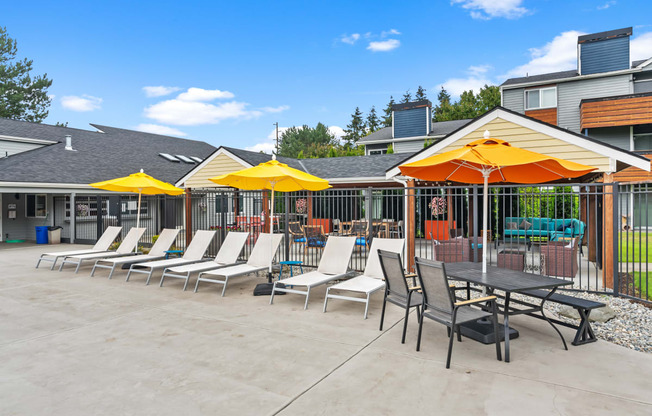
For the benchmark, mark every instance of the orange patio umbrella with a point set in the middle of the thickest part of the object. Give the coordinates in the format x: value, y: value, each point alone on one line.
x: 493, y: 160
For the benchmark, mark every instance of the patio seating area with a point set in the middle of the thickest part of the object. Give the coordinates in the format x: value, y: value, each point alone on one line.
x: 195, y: 353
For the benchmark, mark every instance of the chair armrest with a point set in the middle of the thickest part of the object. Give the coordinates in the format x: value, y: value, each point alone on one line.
x: 410, y: 275
x: 413, y: 288
x: 473, y: 301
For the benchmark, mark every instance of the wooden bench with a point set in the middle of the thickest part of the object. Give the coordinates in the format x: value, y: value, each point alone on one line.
x: 584, y: 334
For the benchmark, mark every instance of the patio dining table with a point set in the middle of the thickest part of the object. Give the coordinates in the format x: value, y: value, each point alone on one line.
x: 509, y: 281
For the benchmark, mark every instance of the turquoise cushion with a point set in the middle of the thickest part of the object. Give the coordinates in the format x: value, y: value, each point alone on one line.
x: 360, y: 241
x: 300, y: 240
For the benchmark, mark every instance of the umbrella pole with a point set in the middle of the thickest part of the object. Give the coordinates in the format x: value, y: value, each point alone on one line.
x: 485, y: 214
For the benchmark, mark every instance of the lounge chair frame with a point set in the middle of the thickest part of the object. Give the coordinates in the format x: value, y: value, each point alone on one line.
x: 103, y: 243
x: 126, y: 248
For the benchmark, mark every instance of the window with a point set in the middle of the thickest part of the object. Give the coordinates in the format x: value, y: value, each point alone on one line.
x: 36, y: 206
x: 86, y: 206
x: 130, y: 205
x: 378, y: 152
x: 541, y: 98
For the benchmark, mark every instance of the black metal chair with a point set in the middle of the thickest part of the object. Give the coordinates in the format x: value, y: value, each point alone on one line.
x: 396, y: 288
x: 439, y: 304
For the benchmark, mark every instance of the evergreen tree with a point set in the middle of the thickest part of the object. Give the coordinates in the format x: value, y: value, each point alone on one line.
x: 373, y: 122
x: 469, y: 105
x: 306, y: 141
x: 387, y: 118
x: 22, y: 97
x: 420, y: 94
x: 355, y: 129
x: 407, y: 97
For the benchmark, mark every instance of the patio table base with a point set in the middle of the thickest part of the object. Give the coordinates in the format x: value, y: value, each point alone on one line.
x: 483, y: 331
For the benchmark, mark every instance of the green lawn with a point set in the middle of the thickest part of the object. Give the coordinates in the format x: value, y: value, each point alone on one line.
x: 643, y: 283
x: 635, y: 246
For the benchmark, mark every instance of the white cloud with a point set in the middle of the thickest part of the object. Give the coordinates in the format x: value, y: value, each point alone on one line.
x: 641, y: 47
x: 266, y: 147
x: 560, y: 54
x: 350, y: 39
x: 189, y: 113
x: 488, y: 9
x: 479, y: 69
x: 389, y: 32
x: 193, y: 107
x: 83, y: 103
x: 607, y: 5
x: 200, y: 94
x: 384, y: 46
x: 159, y: 129
x: 159, y: 91
x: 278, y: 109
x: 456, y: 86
x: 337, y: 131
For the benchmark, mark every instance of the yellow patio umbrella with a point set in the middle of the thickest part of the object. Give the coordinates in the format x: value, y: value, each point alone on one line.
x: 140, y: 183
x: 275, y: 176
x: 493, y: 160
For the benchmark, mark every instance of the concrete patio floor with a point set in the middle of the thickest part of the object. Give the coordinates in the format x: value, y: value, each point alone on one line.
x: 75, y: 345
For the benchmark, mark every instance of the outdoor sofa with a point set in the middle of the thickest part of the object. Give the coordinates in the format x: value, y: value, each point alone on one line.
x: 542, y: 228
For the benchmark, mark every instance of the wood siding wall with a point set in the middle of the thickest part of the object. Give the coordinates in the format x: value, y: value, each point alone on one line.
x: 547, y: 115
x: 632, y: 174
x: 538, y: 142
x: 220, y: 165
x: 618, y: 112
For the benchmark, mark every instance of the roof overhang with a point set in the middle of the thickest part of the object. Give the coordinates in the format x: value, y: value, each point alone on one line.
x: 575, y: 78
x: 45, y: 187
x: 27, y: 140
x: 613, y: 153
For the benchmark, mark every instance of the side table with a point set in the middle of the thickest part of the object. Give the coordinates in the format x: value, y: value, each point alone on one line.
x: 290, y: 264
x: 512, y: 259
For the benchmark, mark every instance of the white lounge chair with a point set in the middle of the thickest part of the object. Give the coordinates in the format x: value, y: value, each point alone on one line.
x: 102, y: 244
x: 194, y: 253
x: 126, y: 248
x: 162, y: 244
x: 333, y: 265
x: 372, y: 279
x: 227, y: 256
x: 260, y: 258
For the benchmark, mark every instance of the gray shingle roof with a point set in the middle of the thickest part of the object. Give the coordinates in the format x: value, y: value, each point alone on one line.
x: 637, y: 63
x: 542, y: 77
x: 332, y: 167
x: 384, y: 134
x: 354, y: 166
x: 440, y: 128
x: 97, y: 156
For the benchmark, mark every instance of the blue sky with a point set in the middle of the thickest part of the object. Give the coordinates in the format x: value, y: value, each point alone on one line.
x: 224, y: 72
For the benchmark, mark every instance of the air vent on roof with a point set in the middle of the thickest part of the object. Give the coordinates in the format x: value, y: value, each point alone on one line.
x: 169, y: 157
x: 184, y: 158
x: 197, y: 159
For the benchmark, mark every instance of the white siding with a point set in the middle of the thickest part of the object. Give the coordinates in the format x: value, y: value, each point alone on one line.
x: 513, y: 100
x: 12, y: 147
x: 409, y: 146
x: 569, y: 95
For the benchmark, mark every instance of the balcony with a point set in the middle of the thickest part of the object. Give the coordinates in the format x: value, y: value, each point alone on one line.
x: 622, y: 110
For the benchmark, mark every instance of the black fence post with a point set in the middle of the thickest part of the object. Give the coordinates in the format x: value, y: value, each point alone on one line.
x: 369, y: 215
x: 99, y: 216
x: 223, y: 214
x: 616, y: 229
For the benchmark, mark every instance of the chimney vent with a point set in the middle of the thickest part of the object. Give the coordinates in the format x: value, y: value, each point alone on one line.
x: 411, y: 119
x: 603, y: 52
x: 69, y: 143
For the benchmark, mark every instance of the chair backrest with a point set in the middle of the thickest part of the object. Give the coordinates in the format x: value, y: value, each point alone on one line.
x: 336, y: 256
x: 107, y: 238
x: 456, y: 232
x: 295, y: 228
x: 231, y: 247
x: 359, y: 227
x: 199, y: 244
x: 264, y: 251
x: 373, y: 268
x: 163, y: 242
x: 313, y: 230
x: 130, y: 241
x: 434, y: 284
x: 392, y: 267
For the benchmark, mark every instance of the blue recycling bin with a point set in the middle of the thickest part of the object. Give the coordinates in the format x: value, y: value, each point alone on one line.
x: 42, y: 235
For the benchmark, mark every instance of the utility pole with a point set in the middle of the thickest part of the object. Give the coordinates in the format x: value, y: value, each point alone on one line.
x: 276, y: 124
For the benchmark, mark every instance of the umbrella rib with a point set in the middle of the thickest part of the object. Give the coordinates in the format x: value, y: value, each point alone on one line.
x: 548, y: 169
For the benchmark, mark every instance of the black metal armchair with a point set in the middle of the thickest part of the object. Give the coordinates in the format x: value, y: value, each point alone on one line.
x: 439, y: 304
x: 396, y: 288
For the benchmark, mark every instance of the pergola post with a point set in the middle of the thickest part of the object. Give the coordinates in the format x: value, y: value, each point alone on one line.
x: 608, y: 222
x: 266, y: 209
x: 410, y: 223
